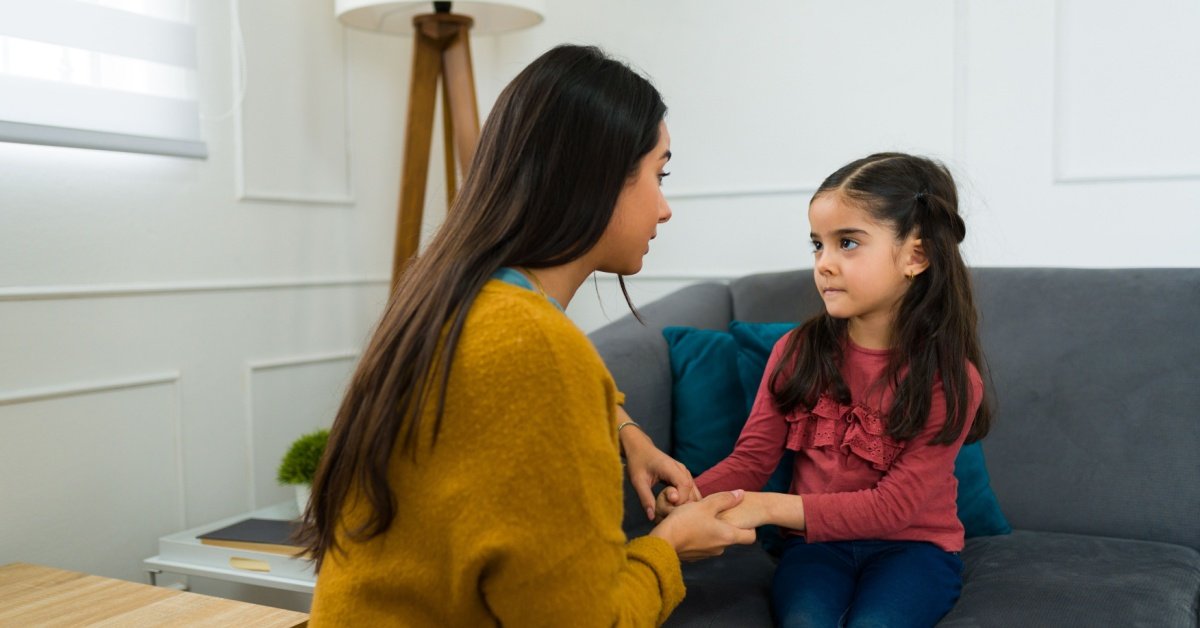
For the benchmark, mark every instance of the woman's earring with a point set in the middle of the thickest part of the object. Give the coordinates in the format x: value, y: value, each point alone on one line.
x: 910, y: 275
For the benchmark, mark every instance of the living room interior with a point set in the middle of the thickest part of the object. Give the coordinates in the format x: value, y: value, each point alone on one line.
x: 172, y: 324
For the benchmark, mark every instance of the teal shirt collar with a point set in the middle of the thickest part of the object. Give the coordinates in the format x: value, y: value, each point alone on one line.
x: 508, y: 274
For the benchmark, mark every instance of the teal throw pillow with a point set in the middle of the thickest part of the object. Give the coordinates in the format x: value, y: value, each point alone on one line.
x: 978, y: 508
x: 707, y: 396
x: 755, y: 342
x: 716, y: 376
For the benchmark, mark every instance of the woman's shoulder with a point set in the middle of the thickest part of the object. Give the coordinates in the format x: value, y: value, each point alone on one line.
x: 507, y: 317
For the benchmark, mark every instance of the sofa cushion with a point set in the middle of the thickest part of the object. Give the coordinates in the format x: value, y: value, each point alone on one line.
x: 1056, y: 579
x: 1023, y: 579
x: 1095, y: 374
x: 715, y: 378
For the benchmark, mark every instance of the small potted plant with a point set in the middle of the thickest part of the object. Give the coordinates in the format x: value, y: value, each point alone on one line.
x: 299, y: 464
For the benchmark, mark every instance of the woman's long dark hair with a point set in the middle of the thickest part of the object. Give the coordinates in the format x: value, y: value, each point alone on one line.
x: 934, y: 333
x: 557, y: 149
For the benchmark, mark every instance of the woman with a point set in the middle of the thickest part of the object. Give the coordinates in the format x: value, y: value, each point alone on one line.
x: 472, y: 475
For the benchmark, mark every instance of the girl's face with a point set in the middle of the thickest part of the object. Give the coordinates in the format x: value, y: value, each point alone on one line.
x: 640, y: 208
x: 860, y: 267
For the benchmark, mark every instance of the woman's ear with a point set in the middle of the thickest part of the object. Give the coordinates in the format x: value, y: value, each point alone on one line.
x: 916, y: 262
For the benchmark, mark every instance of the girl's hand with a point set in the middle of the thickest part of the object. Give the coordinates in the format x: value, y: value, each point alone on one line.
x: 665, y: 504
x: 648, y: 465
x: 758, y: 509
x: 696, y: 530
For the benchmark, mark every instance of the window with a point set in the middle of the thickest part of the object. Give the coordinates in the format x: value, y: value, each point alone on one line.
x: 106, y: 74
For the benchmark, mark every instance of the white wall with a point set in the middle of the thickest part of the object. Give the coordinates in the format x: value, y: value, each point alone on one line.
x: 167, y: 325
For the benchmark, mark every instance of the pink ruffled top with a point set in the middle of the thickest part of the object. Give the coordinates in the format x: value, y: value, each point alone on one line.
x: 854, y: 428
x: 856, y: 482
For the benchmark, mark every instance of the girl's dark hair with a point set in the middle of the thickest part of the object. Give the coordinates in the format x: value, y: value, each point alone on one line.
x: 934, y: 333
x: 554, y: 155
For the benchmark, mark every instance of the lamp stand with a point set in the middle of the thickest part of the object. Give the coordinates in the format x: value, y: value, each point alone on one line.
x: 443, y: 49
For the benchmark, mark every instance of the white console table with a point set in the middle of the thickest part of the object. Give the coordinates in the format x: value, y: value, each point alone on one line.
x: 183, y: 553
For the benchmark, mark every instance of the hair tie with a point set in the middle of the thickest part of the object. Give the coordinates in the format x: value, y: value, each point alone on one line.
x: 918, y: 196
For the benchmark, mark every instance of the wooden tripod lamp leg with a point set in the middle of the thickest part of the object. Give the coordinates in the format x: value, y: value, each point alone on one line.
x: 459, y: 78
x: 418, y: 134
x: 448, y: 146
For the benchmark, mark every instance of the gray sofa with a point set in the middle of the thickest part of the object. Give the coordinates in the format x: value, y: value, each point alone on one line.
x: 1094, y: 454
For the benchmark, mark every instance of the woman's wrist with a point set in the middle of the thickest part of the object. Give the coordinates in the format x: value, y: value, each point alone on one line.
x: 665, y: 531
x: 631, y: 436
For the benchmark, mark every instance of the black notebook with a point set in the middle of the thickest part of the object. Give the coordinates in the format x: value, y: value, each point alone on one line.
x: 262, y: 535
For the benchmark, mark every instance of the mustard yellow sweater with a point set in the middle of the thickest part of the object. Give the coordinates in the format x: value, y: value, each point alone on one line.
x: 514, y: 517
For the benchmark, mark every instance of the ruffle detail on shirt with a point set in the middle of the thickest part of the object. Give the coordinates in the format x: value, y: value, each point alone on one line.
x: 854, y: 428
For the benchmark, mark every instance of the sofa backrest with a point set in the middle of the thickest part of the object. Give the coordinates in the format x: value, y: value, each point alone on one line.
x: 1096, y: 377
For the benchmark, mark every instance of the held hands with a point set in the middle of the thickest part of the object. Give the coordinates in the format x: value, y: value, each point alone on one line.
x: 670, y: 498
x: 696, y: 529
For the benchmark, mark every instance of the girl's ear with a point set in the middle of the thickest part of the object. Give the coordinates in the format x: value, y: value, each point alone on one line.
x: 917, y: 262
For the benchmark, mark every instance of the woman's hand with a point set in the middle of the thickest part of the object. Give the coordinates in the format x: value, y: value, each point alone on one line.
x: 647, y: 465
x: 696, y: 530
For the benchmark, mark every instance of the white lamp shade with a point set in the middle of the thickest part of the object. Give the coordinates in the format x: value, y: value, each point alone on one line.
x: 395, y: 16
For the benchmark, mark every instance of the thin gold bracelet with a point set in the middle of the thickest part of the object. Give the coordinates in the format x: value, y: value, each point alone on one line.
x: 627, y: 423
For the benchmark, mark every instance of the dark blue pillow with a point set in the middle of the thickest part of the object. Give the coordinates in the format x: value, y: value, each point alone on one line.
x: 710, y: 369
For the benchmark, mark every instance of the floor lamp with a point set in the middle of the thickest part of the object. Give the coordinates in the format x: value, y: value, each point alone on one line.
x: 441, y: 50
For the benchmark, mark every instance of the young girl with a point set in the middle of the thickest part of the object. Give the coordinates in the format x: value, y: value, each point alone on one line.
x: 472, y: 476
x: 876, y: 394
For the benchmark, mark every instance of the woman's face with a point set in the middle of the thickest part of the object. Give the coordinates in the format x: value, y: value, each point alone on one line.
x: 640, y: 208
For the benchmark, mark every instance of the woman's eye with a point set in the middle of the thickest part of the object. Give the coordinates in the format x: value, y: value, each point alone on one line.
x: 849, y: 245
x: 662, y: 175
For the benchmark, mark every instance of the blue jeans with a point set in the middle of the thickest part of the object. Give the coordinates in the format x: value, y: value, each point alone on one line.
x: 864, y: 583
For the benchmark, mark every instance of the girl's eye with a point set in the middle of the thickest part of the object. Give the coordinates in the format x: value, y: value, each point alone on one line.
x: 662, y: 175
x: 849, y: 245
x: 816, y: 246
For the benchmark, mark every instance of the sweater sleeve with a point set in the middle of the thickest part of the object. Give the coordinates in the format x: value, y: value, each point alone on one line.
x: 760, y: 445
x: 558, y: 555
x: 908, y: 484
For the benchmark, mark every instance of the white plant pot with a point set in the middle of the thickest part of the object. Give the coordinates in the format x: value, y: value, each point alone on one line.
x: 302, y: 494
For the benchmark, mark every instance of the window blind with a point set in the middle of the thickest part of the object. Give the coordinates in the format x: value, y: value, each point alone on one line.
x: 106, y: 74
